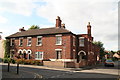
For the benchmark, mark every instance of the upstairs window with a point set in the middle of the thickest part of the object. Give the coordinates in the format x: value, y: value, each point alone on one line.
x: 12, y: 42
x: 39, y: 40
x: 81, y: 42
x: 58, y: 39
x: 39, y: 55
x: 29, y: 41
x: 20, y: 41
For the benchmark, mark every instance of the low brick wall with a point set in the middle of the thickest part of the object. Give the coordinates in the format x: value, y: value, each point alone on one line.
x: 81, y: 64
x: 70, y: 64
x: 66, y: 64
x: 53, y: 63
x: 59, y: 64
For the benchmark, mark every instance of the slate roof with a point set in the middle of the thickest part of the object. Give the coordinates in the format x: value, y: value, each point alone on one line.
x: 42, y: 31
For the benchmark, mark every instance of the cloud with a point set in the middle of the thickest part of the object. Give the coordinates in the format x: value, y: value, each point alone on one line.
x: 3, y: 19
x: 103, y: 15
x: 76, y: 14
x: 23, y: 7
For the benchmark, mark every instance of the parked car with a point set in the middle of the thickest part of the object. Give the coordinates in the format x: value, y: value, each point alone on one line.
x: 109, y: 63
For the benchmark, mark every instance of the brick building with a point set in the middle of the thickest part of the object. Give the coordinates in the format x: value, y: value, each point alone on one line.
x: 2, y: 48
x: 57, y: 44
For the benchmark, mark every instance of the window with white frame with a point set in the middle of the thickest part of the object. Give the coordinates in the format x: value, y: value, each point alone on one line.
x: 58, y: 39
x: 12, y: 42
x: 81, y: 41
x: 20, y: 41
x: 29, y: 41
x: 73, y: 40
x: 39, y: 40
x: 39, y: 55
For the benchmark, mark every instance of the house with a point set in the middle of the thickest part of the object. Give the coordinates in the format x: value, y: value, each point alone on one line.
x: 57, y: 44
x: 1, y: 47
x: 117, y: 55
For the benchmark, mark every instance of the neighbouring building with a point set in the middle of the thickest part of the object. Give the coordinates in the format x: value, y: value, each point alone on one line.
x: 1, y: 47
x: 57, y: 44
x: 117, y: 55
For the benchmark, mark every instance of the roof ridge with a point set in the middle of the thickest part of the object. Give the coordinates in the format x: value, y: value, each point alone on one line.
x: 42, y: 31
x: 41, y: 28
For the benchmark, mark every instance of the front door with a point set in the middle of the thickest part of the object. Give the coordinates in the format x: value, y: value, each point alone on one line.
x: 59, y: 55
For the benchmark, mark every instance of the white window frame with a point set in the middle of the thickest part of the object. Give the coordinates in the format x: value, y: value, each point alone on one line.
x: 20, y: 41
x: 38, y: 55
x: 28, y: 39
x: 59, y: 40
x: 40, y: 41
x: 11, y: 41
x: 81, y: 44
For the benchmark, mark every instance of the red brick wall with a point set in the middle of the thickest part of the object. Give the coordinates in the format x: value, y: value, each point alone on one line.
x: 48, y: 46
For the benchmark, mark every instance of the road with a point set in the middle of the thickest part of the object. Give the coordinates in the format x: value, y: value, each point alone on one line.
x: 40, y: 72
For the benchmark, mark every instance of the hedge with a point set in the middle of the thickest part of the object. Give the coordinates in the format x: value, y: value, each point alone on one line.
x: 23, y: 61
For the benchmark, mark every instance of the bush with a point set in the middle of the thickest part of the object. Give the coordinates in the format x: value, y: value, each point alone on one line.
x: 20, y: 61
x: 5, y: 60
x: 114, y: 59
x: 37, y: 62
x: 27, y: 61
x: 23, y: 61
x: 13, y: 61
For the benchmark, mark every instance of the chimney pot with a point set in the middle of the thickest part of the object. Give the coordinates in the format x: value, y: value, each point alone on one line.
x: 21, y: 29
x: 63, y: 25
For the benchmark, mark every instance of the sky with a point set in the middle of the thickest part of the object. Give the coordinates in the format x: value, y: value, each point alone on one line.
x: 102, y: 15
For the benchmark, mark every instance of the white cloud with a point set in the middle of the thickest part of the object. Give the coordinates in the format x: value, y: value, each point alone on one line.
x: 77, y: 13
x: 3, y: 19
x: 23, y: 7
x: 74, y: 13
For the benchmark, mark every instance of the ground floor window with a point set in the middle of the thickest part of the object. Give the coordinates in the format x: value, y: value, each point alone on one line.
x: 29, y: 55
x: 58, y: 55
x: 24, y: 56
x: 39, y: 55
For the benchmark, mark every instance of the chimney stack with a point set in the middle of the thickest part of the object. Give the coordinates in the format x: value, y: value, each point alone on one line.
x: 21, y: 29
x: 89, y: 29
x: 58, y: 22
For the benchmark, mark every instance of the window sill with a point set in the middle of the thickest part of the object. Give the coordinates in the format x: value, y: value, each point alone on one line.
x: 38, y: 59
x: 81, y: 46
x: 29, y: 45
x: 39, y: 45
x: 58, y: 44
x: 20, y: 46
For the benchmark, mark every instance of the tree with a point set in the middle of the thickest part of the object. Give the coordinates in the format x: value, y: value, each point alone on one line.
x: 7, y: 48
x: 100, y: 44
x: 34, y: 27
